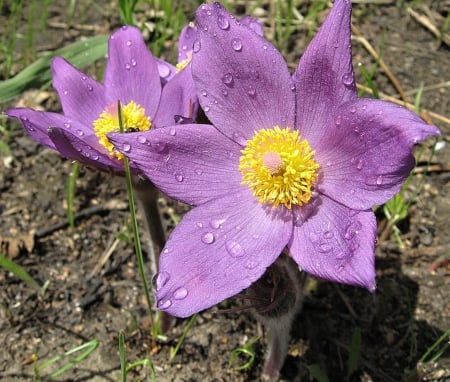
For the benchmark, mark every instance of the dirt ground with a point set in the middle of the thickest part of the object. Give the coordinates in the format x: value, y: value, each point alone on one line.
x: 86, y: 299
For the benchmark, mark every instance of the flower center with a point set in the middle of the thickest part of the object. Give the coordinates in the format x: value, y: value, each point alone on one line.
x: 133, y: 118
x: 279, y: 167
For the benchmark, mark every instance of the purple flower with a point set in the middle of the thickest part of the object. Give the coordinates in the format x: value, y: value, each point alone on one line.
x: 292, y: 162
x: 132, y: 76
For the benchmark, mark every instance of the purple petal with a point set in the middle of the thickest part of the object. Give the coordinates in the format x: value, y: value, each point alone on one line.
x: 79, y: 149
x: 166, y: 71
x: 216, y: 251
x: 82, y: 98
x: 178, y: 98
x: 253, y: 24
x: 190, y: 163
x: 131, y: 72
x: 243, y: 83
x: 36, y: 124
x: 185, y: 42
x: 366, y: 157
x: 324, y: 77
x: 336, y: 243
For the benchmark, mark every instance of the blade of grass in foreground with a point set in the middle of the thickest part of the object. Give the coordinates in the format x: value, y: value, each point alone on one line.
x: 79, y: 54
x: 19, y: 272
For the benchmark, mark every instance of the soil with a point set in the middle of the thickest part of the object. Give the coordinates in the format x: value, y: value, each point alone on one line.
x: 86, y: 299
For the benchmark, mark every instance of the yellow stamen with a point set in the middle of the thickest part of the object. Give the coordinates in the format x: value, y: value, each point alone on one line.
x: 183, y: 63
x: 133, y: 118
x: 279, y: 167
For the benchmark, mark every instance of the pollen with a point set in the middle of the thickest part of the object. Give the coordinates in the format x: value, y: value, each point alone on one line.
x: 279, y: 167
x: 133, y: 118
x: 183, y: 63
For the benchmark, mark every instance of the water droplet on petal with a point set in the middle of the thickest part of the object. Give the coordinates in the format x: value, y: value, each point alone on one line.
x: 141, y: 139
x: 127, y: 66
x: 359, y: 164
x: 164, y: 304
x: 347, y: 79
x: 223, y: 22
x: 95, y: 157
x: 379, y: 180
x: 67, y: 125
x: 338, y: 120
x: 172, y: 132
x: 80, y: 133
x: 126, y: 147
x: 352, y: 229
x: 196, y: 46
x: 217, y: 223
x: 234, y: 249
x: 224, y: 92
x: 133, y: 62
x: 251, y: 263
x: 227, y: 79
x: 251, y: 91
x: 353, y: 109
x: 128, y: 43
x: 208, y: 238
x: 236, y: 44
x: 199, y: 225
x: 206, y: 108
x: 204, y: 93
x: 160, y: 279
x: 292, y: 87
x: 65, y: 92
x: 180, y: 293
x: 179, y: 177
x: 339, y: 268
x: 198, y: 171
x: 89, y: 87
x: 324, y: 247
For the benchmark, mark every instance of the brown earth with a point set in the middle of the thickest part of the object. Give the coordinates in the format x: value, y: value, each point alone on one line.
x: 86, y: 300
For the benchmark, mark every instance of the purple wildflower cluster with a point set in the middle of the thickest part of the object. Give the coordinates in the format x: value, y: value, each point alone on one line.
x: 290, y: 164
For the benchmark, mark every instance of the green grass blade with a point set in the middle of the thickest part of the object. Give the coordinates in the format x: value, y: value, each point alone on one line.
x: 123, y: 368
x: 174, y: 350
x: 37, y: 74
x: 19, y: 272
x: 355, y: 352
x: 70, y: 193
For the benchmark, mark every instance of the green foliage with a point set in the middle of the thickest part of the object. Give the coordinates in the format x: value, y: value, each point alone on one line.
x: 174, y: 350
x: 69, y: 357
x: 70, y: 192
x: 19, y: 272
x: 355, y: 352
x: 126, y: 8
x: 80, y: 53
x: 247, y: 351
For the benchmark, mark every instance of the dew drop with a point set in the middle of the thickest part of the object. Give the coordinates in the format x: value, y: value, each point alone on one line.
x: 352, y: 229
x: 224, y: 92
x: 292, y: 87
x: 128, y: 43
x: 347, y: 79
x: 133, y: 62
x: 251, y: 264
x: 234, y: 249
x: 164, y: 70
x: 359, y: 164
x: 227, y: 79
x: 204, y: 93
x: 196, y: 46
x: 217, y: 223
x: 379, y: 180
x: 206, y: 108
x: 80, y: 133
x: 65, y: 92
x: 236, y: 44
x: 164, y: 304
x: 265, y: 47
x: 251, y: 91
x: 67, y: 125
x: 95, y: 157
x: 180, y: 293
x: 353, y: 109
x: 199, y: 225
x: 339, y: 268
x: 172, y: 132
x: 141, y: 139
x: 160, y: 279
x: 89, y: 87
x: 208, y: 238
x: 179, y: 177
x: 126, y: 147
x: 198, y: 171
x: 223, y: 22
x: 127, y: 66
x: 324, y: 247
x: 338, y: 120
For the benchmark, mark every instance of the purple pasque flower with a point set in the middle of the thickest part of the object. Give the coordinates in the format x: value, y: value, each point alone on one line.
x: 292, y: 162
x: 90, y: 108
